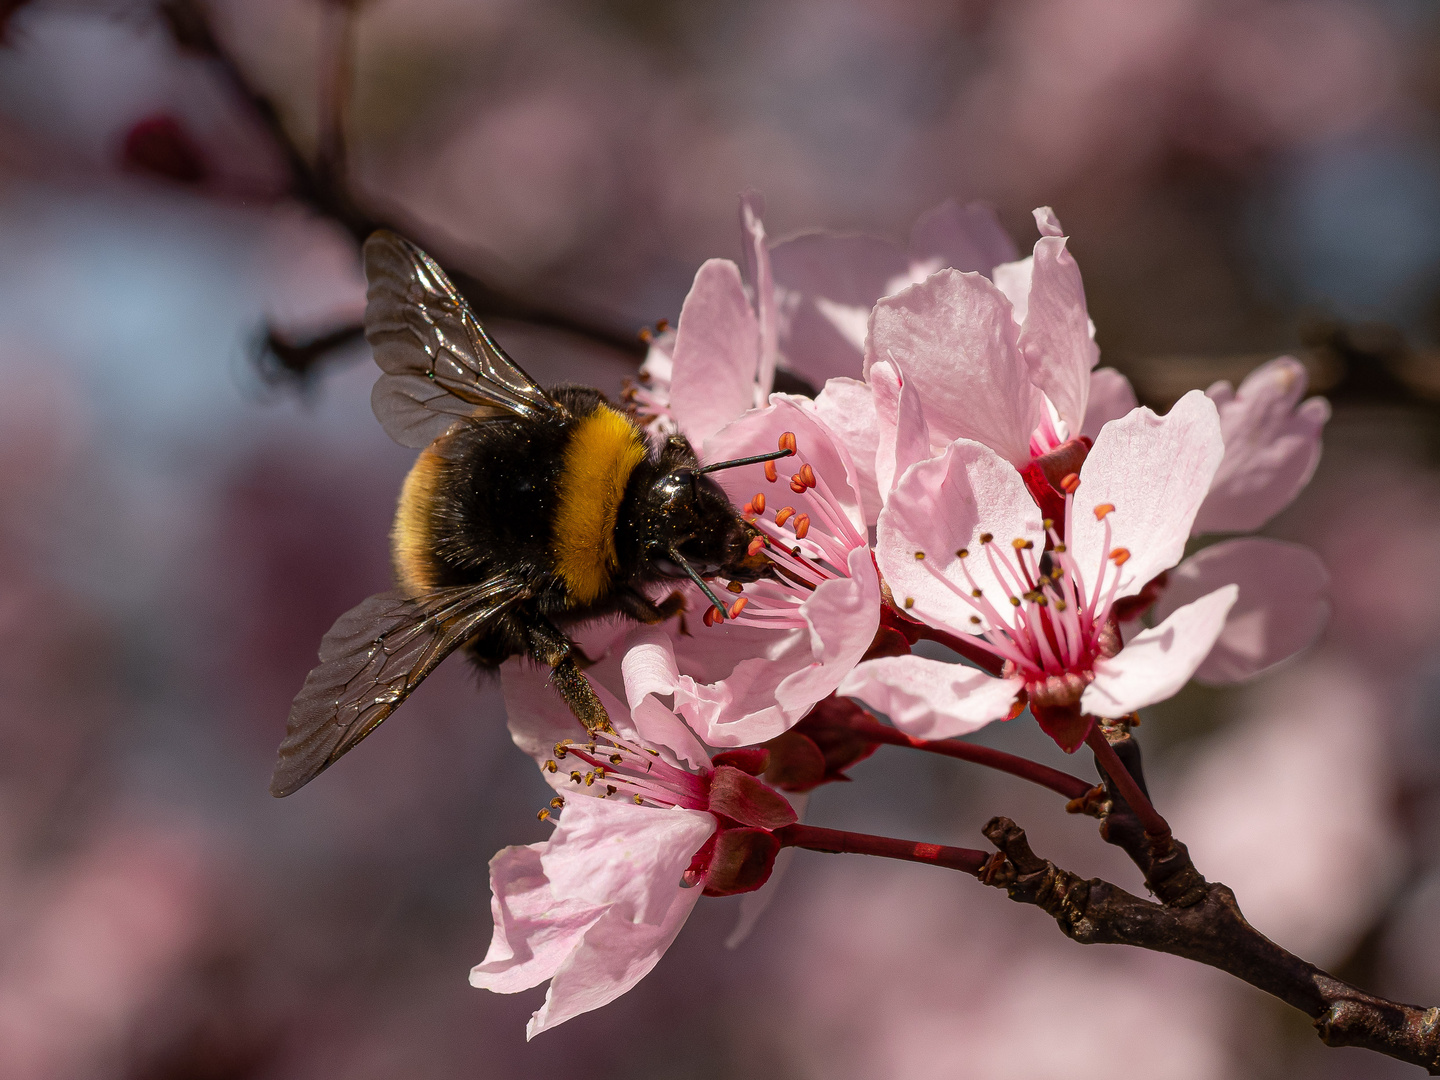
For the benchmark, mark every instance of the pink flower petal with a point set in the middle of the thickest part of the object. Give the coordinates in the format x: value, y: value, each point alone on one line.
x: 625, y: 856
x: 538, y: 717
x: 1282, y: 609
x: 1056, y: 341
x: 962, y: 237
x: 1271, y: 446
x: 930, y: 699
x: 904, y: 437
x: 847, y: 407
x: 1155, y: 471
x: 955, y: 338
x: 1111, y: 397
x: 534, y: 933
x: 1157, y: 663
x: 740, y: 685
x: 827, y: 285
x: 613, y: 956
x: 1013, y: 279
x: 761, y: 279
x: 935, y: 510
x: 1047, y: 222
x: 717, y: 348
x: 753, y: 904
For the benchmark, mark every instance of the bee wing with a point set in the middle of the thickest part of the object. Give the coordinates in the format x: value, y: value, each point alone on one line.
x: 439, y: 364
x: 371, y: 659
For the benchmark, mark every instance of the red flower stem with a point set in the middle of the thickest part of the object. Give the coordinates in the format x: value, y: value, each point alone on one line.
x: 1072, y: 787
x: 852, y: 843
x: 988, y: 661
x: 1157, y: 829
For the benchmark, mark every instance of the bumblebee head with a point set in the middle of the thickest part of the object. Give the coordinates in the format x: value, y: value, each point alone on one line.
x: 687, y: 514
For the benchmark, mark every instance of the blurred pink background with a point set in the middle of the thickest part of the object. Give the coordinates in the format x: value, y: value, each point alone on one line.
x: 1239, y: 178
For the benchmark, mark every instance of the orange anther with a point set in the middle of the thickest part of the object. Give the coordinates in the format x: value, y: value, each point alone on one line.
x: 738, y: 606
x: 758, y: 502
x: 802, y: 526
x: 784, y: 514
x: 1069, y: 482
x: 1119, y: 555
x: 646, y: 335
x: 807, y: 476
x: 661, y: 325
x: 770, y: 472
x: 709, y: 616
x: 787, y: 441
x: 797, y: 485
x: 1103, y: 509
x: 756, y: 546
x: 748, y: 509
x: 1021, y: 544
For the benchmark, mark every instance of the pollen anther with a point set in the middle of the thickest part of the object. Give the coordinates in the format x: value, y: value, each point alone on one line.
x: 1119, y: 555
x: 784, y: 514
x: 1104, y: 509
x: 758, y: 502
x: 802, y: 526
x: 1069, y: 482
x: 787, y: 441
x: 771, y: 473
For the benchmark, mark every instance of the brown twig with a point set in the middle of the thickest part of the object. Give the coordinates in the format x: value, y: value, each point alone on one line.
x: 325, y: 186
x: 1211, y: 931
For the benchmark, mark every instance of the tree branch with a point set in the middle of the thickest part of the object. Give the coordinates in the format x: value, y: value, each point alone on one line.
x: 326, y: 189
x: 1211, y: 931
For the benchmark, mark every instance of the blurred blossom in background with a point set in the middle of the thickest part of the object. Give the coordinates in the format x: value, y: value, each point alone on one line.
x: 1239, y: 179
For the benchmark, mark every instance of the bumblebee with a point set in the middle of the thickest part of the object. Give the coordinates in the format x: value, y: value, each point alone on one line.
x: 527, y: 511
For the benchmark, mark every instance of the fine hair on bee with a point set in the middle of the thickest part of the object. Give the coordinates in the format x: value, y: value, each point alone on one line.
x: 528, y: 511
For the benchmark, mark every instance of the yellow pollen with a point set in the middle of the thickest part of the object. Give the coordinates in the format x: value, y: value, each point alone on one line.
x: 639, y: 801
x: 1014, y: 601
x: 909, y: 602
x: 543, y: 815
x: 616, y: 759
x: 1047, y: 524
x: 558, y: 802
x: 1021, y: 544
x: 550, y: 766
x: 963, y: 553
x: 975, y: 619
x: 1060, y: 548
x: 1104, y: 509
x: 919, y: 556
x: 735, y: 587
x: 976, y: 592
x: 589, y: 779
x: 576, y: 778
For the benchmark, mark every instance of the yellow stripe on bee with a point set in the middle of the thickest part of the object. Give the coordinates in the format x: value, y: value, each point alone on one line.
x: 411, y: 548
x: 602, y: 453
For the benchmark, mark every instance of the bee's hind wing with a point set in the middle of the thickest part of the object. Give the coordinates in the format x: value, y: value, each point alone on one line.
x: 439, y: 364
x: 370, y: 661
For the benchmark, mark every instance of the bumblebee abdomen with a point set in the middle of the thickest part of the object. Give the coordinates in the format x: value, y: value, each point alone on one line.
x: 412, y: 537
x: 602, y: 451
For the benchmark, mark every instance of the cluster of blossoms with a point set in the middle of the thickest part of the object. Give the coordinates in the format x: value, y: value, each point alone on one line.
x: 965, y: 474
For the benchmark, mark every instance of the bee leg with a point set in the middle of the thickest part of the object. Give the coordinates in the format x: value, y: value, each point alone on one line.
x: 549, y: 646
x: 642, y: 609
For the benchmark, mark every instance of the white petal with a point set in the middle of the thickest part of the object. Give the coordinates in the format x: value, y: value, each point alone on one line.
x: 534, y: 932
x: 1155, y: 471
x: 630, y: 857
x: 956, y: 340
x: 939, y: 507
x: 717, y: 350
x: 1111, y: 397
x: 613, y: 956
x: 1282, y: 609
x: 1056, y: 341
x: 1158, y: 662
x: 761, y: 279
x: 1047, y: 222
x: 1013, y: 279
x: 930, y: 699
x: 847, y: 406
x: 1271, y: 446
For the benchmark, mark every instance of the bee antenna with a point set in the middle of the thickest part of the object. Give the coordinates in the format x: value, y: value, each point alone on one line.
x: 690, y: 570
x: 756, y: 460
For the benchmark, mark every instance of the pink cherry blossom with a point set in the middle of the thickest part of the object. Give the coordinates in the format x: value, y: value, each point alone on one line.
x: 960, y: 544
x: 828, y: 283
x: 1282, y: 607
x: 1272, y: 445
x: 721, y: 358
x: 640, y: 838
x: 788, y: 641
